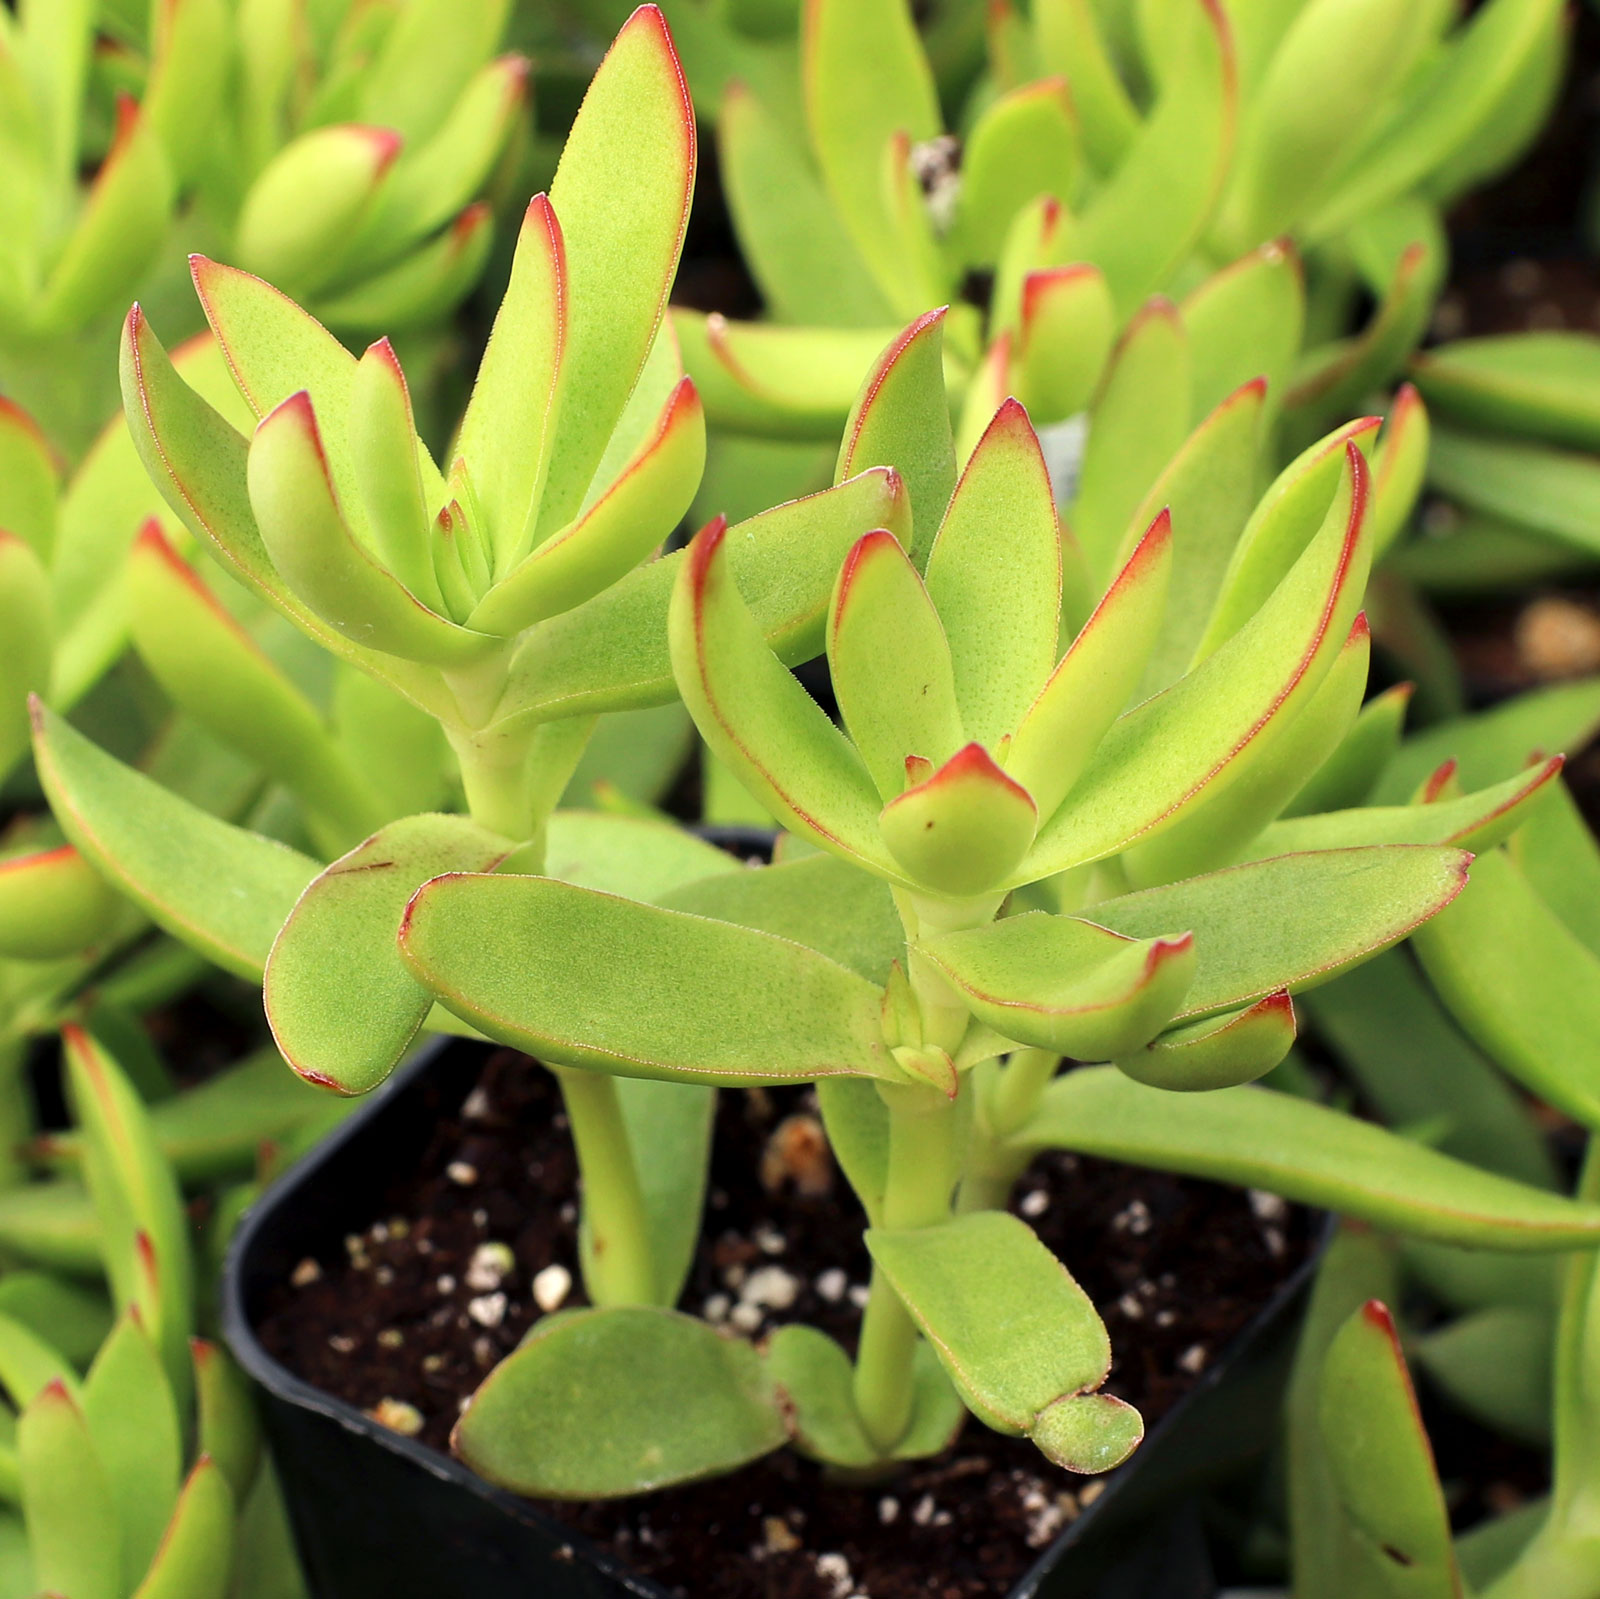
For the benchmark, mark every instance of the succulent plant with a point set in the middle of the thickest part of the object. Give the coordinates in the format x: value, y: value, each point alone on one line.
x: 994, y: 856
x: 1112, y: 156
x: 482, y: 618
x: 346, y: 151
x: 143, y: 1476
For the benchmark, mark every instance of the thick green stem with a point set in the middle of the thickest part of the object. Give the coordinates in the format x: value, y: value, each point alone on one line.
x: 1013, y: 1094
x: 923, y: 1160
x: 618, y: 1268
x: 497, y: 774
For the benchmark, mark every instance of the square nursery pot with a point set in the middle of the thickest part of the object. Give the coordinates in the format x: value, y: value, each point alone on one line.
x: 382, y: 1516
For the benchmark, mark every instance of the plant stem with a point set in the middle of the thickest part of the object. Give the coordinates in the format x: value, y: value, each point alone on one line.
x: 1014, y: 1092
x: 923, y: 1157
x: 617, y: 1268
x: 513, y: 782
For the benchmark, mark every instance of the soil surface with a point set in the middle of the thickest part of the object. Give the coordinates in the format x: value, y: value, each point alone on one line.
x: 406, y: 1318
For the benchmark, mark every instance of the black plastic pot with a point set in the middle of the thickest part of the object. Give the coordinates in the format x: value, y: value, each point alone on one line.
x: 379, y: 1516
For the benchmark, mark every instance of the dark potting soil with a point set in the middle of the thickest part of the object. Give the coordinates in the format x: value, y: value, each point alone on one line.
x: 405, y: 1320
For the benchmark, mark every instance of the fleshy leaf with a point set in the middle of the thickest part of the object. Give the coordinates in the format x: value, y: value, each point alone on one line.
x: 303, y: 526
x: 169, y: 856
x: 998, y: 554
x: 1139, y: 419
x: 1521, y: 985
x: 142, y: 1220
x: 52, y: 904
x: 1065, y: 338
x: 622, y: 191
x: 1262, y: 1139
x: 196, y: 1557
x: 1066, y: 985
x: 634, y: 515
x: 1096, y: 677
x: 668, y: 1399
x: 25, y: 616
x: 1208, y: 488
x: 1291, y: 921
x: 815, y: 1381
x: 1378, y: 1454
x: 1014, y: 1331
x: 1246, y: 321
x: 210, y: 667
x: 341, y: 1004
x: 1158, y: 760
x: 1236, y: 1047
x: 901, y: 418
x: 229, y: 1430
x: 66, y: 1501
x: 759, y: 721
x: 510, y: 419
x: 865, y: 80
x: 612, y: 654
x: 1539, y: 384
x: 962, y: 829
x: 1473, y: 821
x: 133, y: 1419
x: 547, y: 980
x: 889, y: 663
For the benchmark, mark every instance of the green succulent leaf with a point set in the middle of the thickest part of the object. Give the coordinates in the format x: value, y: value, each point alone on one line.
x: 25, y: 616
x: 797, y: 247
x: 622, y: 192
x: 66, y: 1501
x: 1380, y: 1461
x: 53, y: 904
x: 1348, y: 776
x: 1208, y: 489
x: 1018, y: 1337
x: 304, y: 528
x: 865, y: 82
x: 1069, y: 986
x: 133, y: 1420
x: 815, y: 1380
x: 613, y: 654
x: 1023, y: 145
x: 1262, y: 1139
x: 210, y: 667
x: 1539, y: 385
x: 1472, y: 821
x: 1221, y: 829
x: 1065, y: 334
x: 143, y: 1225
x: 196, y: 1558
x: 1236, y: 1047
x: 701, y: 1001
x: 889, y: 663
x: 759, y: 721
x: 230, y: 1431
x: 1494, y: 1364
x: 1070, y: 41
x: 1552, y: 492
x: 1521, y: 985
x: 1137, y: 423
x: 997, y: 553
x: 667, y: 1399
x: 30, y: 482
x: 901, y: 418
x: 1245, y: 321
x: 341, y: 1004
x: 168, y: 855
x: 1085, y: 694
x: 818, y: 901
x: 1292, y: 921
x: 1396, y: 1040
x: 962, y: 829
x: 626, y: 524
x: 1158, y: 760
x: 1149, y: 215
x: 54, y: 1225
